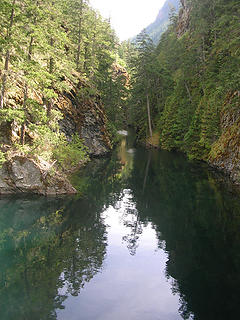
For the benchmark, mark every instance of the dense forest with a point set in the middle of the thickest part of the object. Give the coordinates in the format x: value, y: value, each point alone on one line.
x: 62, y: 65
x: 185, y: 91
x: 50, y: 51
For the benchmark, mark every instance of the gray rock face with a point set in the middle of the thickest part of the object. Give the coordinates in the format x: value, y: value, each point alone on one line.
x: 26, y: 174
x: 5, y: 181
x: 93, y: 135
x: 23, y: 175
x: 184, y: 18
x: 68, y: 127
x: 88, y: 121
x: 89, y: 131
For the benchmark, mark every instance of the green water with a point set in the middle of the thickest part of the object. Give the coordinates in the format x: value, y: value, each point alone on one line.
x: 152, y: 236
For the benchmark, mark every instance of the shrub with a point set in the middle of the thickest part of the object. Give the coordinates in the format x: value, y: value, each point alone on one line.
x: 69, y: 155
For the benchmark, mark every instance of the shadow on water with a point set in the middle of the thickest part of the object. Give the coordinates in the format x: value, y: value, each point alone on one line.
x: 50, y: 248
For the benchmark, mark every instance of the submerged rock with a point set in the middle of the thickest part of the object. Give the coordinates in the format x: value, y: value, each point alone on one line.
x: 23, y: 175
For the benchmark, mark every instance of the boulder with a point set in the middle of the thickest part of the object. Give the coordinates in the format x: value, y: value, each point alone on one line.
x: 24, y: 175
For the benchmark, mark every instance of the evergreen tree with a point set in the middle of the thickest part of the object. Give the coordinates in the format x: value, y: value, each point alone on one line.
x: 46, y: 48
x: 196, y: 73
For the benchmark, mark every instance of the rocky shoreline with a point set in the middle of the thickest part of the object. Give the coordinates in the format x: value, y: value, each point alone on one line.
x: 26, y: 176
x: 81, y: 116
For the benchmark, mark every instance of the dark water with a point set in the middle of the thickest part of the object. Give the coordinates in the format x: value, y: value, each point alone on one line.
x: 152, y: 236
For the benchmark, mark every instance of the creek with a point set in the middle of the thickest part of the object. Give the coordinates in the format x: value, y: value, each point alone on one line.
x: 150, y: 236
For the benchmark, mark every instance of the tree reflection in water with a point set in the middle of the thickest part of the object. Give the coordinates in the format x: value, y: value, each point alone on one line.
x: 197, y: 221
x: 50, y: 248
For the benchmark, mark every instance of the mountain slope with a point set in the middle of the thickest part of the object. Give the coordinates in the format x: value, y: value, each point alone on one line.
x: 156, y: 29
x: 190, y: 84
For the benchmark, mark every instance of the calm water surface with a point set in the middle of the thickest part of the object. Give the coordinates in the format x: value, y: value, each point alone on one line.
x: 152, y: 236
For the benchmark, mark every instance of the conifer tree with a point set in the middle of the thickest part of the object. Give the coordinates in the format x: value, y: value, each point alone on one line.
x: 9, y: 10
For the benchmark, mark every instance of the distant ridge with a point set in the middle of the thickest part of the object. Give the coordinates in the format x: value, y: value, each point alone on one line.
x: 156, y: 29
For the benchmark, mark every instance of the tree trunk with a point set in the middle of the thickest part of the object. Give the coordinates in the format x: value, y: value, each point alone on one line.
x: 85, y: 67
x: 79, y: 35
x: 188, y: 91
x: 149, y: 117
x: 23, y: 126
x: 30, y: 48
x: 22, y: 137
x: 4, y: 79
x: 51, y: 61
x: 25, y: 97
x: 51, y: 69
x: 93, y: 57
x: 49, y: 108
x: 7, y: 57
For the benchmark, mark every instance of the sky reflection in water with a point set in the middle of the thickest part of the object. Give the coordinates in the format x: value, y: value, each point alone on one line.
x: 133, y: 284
x: 152, y: 236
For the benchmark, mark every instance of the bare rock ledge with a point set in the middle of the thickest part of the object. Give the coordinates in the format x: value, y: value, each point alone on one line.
x: 24, y: 175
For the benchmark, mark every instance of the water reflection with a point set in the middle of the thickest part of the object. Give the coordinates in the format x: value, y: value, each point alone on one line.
x: 45, y: 245
x: 130, y: 219
x: 197, y: 223
x: 152, y: 236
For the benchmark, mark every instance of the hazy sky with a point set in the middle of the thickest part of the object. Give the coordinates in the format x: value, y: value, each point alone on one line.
x: 128, y: 17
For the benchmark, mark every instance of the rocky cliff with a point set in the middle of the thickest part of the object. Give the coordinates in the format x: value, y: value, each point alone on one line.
x: 183, y: 18
x: 225, y: 153
x: 82, y: 115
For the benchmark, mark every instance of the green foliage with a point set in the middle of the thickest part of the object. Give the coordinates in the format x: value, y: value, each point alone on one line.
x: 43, y: 245
x: 191, y: 77
x: 46, y: 47
x: 69, y: 155
x: 112, y: 130
x: 2, y: 158
x: 85, y: 93
x: 9, y: 115
x: 143, y: 82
